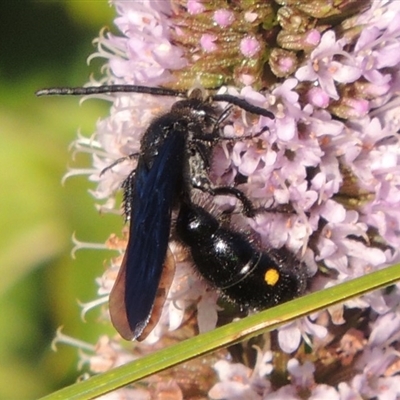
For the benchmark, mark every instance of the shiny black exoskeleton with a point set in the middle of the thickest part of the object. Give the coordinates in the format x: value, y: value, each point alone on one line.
x: 251, y: 278
x: 164, y: 173
x: 174, y: 158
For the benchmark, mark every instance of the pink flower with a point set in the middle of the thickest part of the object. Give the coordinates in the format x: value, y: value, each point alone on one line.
x: 322, y: 68
x: 326, y: 169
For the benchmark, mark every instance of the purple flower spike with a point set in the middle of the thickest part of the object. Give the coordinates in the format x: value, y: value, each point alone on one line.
x: 326, y: 171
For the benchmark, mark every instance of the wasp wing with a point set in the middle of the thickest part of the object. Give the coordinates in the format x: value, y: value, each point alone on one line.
x: 154, y: 193
x: 167, y: 276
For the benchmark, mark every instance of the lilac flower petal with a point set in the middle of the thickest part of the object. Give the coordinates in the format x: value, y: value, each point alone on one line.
x: 385, y: 327
x: 289, y: 338
x: 333, y: 212
x: 286, y: 128
x: 344, y: 73
x: 322, y: 391
x: 318, y: 97
x: 306, y: 73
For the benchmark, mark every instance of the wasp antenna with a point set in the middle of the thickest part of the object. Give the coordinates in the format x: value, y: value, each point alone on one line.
x: 80, y: 91
x: 245, y: 105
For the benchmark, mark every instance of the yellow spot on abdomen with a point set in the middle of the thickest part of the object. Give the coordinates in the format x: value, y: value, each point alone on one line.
x: 271, y: 277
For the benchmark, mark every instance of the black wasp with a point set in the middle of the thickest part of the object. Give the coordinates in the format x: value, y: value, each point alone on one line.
x: 174, y: 158
x: 251, y: 278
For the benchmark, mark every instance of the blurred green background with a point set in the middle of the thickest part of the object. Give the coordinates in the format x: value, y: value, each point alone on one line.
x: 46, y: 43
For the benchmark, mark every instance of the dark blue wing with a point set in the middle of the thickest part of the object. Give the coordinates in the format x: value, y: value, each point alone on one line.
x: 154, y: 192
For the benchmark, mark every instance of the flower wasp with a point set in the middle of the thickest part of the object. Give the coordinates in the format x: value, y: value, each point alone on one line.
x: 174, y: 159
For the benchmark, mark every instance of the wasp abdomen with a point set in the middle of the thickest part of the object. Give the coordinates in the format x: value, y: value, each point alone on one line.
x: 252, y: 278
